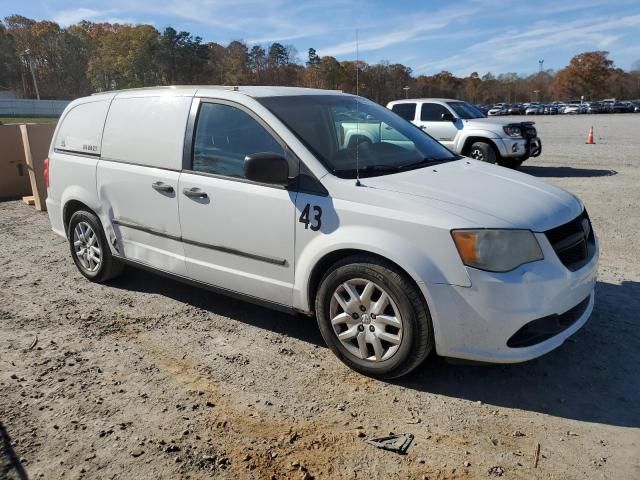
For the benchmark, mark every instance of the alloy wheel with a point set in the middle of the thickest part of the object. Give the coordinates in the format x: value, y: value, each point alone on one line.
x: 476, y: 154
x: 366, y: 320
x: 87, y: 247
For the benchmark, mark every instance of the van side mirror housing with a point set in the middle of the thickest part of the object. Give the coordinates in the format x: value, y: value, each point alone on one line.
x: 266, y: 167
x: 448, y: 117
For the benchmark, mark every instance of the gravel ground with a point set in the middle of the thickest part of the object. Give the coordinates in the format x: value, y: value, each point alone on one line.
x: 149, y: 378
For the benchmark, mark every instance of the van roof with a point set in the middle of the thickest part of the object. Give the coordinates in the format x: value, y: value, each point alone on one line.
x: 250, y: 90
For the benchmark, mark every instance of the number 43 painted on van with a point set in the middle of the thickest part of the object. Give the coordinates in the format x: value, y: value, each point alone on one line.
x: 317, y: 217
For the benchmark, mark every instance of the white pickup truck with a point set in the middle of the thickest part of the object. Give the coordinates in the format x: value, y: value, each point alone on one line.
x: 465, y: 130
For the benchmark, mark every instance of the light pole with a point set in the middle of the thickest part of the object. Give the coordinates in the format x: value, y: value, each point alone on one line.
x: 541, y: 64
x: 27, y: 55
x: 406, y: 91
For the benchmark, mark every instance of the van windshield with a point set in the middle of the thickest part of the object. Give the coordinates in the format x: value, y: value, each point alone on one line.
x: 348, y: 133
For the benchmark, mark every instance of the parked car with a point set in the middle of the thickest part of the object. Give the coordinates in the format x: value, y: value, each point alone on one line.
x: 607, y: 105
x: 572, y: 109
x: 515, y: 109
x: 463, y: 129
x: 594, y: 107
x: 484, y: 109
x: 534, y: 109
x: 397, y: 247
x: 620, y: 107
x: 498, y: 110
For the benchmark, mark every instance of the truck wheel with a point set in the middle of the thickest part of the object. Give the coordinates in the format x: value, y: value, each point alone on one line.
x: 373, y: 317
x: 89, y: 248
x: 510, y: 163
x: 483, y: 151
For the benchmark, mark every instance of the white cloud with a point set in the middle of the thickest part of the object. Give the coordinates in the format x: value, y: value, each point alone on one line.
x: 472, y: 35
x: 509, y: 47
x: 69, y: 17
x: 401, y: 30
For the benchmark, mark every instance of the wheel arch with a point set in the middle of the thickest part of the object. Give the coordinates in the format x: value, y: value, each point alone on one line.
x: 466, y: 147
x: 75, y: 197
x: 330, y: 258
x: 71, y: 207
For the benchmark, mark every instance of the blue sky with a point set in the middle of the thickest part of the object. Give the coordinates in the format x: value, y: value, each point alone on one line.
x: 429, y: 36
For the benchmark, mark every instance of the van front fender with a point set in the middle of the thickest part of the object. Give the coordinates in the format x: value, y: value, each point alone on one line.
x: 417, y: 259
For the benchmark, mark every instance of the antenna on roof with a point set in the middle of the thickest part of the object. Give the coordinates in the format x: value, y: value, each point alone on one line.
x: 357, y: 113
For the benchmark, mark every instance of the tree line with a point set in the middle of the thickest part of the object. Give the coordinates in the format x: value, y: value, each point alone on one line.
x: 91, y: 57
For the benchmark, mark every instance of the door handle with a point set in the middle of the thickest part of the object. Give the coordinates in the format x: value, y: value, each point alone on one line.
x: 194, y: 192
x: 162, y: 187
x: 422, y: 127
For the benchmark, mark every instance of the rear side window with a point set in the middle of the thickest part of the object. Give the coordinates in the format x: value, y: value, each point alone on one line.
x: 225, y: 135
x: 81, y: 128
x: 432, y: 112
x: 405, y: 110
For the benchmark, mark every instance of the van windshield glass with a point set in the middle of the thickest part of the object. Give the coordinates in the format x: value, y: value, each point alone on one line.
x: 465, y: 110
x: 345, y: 130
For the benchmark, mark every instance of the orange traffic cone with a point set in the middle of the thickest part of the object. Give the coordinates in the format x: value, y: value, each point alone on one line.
x: 590, y: 137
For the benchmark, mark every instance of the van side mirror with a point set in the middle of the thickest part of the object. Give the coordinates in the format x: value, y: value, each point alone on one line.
x: 266, y: 167
x: 448, y: 117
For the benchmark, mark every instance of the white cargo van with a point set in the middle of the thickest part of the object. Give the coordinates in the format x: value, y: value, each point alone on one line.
x: 398, y: 246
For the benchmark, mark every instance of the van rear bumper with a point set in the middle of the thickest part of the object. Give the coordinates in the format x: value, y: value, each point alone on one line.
x: 54, y: 210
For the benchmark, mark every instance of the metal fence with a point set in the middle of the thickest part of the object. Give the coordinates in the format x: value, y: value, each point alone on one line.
x: 29, y: 108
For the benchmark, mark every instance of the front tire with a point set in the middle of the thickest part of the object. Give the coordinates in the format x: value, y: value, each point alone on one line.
x: 372, y: 316
x: 89, y: 248
x: 484, y: 152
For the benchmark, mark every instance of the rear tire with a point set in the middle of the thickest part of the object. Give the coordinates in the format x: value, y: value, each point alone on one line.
x: 484, y: 152
x: 384, y: 324
x: 89, y: 248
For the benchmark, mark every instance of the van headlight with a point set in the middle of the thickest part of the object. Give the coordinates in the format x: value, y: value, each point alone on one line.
x: 497, y: 250
x: 512, y: 130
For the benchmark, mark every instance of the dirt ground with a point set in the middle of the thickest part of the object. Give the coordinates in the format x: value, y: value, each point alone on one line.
x: 149, y: 378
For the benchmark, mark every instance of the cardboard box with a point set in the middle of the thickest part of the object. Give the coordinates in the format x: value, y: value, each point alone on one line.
x: 14, y: 174
x: 36, y: 140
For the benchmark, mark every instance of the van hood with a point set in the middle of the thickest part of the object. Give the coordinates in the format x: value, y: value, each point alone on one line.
x: 484, y: 195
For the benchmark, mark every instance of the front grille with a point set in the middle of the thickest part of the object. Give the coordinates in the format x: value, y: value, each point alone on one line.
x: 530, y: 132
x: 544, y: 328
x: 573, y: 242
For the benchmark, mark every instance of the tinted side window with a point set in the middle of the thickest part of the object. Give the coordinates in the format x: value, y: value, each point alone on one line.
x: 405, y: 110
x: 432, y: 112
x: 224, y: 136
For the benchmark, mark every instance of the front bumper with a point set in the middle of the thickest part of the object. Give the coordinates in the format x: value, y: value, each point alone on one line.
x: 520, y: 148
x: 477, y: 322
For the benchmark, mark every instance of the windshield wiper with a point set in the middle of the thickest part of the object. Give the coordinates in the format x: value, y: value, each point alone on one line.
x: 382, y: 168
x: 368, y: 169
x: 426, y: 162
